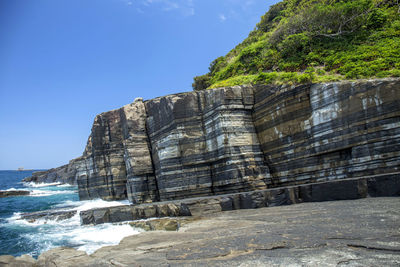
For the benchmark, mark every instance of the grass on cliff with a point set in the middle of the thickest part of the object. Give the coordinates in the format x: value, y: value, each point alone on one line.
x: 302, y: 41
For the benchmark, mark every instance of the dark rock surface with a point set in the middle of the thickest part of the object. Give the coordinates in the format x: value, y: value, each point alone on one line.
x: 130, y: 212
x: 321, y: 132
x: 343, y: 189
x: 13, y: 193
x: 204, y: 143
x: 361, y: 232
x: 53, y: 215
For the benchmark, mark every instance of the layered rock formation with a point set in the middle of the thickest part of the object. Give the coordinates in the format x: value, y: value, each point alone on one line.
x: 329, y: 131
x: 238, y: 139
x: 386, y: 185
x: 204, y: 143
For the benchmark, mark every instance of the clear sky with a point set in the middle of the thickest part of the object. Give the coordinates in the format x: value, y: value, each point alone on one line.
x: 64, y: 61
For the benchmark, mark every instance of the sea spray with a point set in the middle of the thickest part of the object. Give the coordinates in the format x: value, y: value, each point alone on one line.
x: 19, y: 236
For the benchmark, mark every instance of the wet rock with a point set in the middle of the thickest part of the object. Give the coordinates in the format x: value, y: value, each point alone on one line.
x: 53, y: 215
x: 12, y: 193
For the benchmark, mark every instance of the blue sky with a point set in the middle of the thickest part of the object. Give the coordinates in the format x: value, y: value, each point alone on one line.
x: 64, y: 61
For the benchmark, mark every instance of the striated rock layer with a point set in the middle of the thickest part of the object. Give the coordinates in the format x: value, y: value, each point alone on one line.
x: 386, y: 185
x: 204, y: 143
x: 329, y: 131
x: 238, y: 139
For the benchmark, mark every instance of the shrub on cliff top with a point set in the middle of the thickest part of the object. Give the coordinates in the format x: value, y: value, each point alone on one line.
x: 337, y: 39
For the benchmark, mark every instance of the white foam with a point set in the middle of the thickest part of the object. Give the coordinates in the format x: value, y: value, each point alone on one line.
x: 33, y: 184
x: 14, y: 189
x: 92, y: 238
x: 65, y: 185
x: 69, y: 203
x: 43, y: 193
x: 99, y: 203
x: 51, y: 233
x: 15, y: 216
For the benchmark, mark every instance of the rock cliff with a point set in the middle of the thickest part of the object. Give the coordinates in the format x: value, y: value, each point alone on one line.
x: 329, y: 131
x: 238, y: 139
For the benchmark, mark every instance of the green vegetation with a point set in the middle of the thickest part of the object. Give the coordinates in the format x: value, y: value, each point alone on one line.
x: 302, y: 41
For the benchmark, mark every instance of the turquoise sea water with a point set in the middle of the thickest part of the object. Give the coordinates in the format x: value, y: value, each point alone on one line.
x: 19, y: 236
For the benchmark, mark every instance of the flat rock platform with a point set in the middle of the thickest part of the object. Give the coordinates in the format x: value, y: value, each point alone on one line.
x: 363, y: 232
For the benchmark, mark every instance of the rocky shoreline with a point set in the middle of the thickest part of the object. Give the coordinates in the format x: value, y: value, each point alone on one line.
x: 362, y: 232
x: 211, y: 153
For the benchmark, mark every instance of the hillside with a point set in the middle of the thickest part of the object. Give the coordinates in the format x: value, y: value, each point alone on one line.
x: 302, y: 41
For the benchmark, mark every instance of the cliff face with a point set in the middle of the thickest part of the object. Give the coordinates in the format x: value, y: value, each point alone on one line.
x: 241, y: 138
x: 205, y: 143
x: 329, y: 131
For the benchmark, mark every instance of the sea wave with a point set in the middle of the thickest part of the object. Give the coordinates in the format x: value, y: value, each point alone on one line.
x: 44, y: 193
x: 41, y: 192
x: 14, y: 189
x: 32, y: 184
x: 49, y: 233
x: 65, y: 185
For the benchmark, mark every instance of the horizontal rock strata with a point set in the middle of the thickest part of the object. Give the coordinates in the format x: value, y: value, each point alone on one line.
x: 387, y: 185
x: 117, y: 149
x: 238, y: 139
x: 204, y: 143
x: 130, y: 212
x: 329, y: 131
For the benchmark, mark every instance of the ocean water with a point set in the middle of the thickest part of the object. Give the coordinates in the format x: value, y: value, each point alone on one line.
x: 18, y: 237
